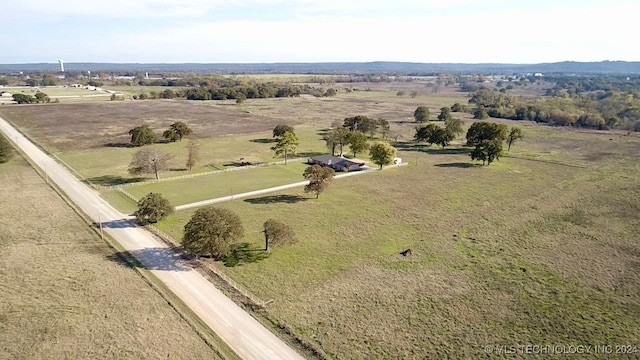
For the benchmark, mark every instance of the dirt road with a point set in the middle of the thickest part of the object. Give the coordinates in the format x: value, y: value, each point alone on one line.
x: 246, y: 336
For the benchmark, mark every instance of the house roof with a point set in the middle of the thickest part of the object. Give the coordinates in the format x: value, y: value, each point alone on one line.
x: 336, y: 161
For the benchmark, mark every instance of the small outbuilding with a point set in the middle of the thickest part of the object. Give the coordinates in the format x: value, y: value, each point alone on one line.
x: 337, y: 163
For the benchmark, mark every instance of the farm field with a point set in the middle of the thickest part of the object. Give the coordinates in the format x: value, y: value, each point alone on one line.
x: 65, y: 295
x: 538, y: 248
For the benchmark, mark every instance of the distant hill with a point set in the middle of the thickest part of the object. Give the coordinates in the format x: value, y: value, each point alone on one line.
x: 567, y: 67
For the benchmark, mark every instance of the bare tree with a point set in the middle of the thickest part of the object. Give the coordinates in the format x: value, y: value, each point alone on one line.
x: 193, y: 149
x: 149, y: 161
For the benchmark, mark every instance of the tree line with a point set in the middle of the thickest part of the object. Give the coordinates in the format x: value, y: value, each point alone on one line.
x: 598, y: 110
x: 239, y: 92
x: 39, y: 97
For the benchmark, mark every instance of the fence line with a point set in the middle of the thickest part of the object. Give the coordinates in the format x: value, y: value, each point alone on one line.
x: 188, y: 176
x: 127, y: 194
x: 209, y: 269
x: 80, y: 176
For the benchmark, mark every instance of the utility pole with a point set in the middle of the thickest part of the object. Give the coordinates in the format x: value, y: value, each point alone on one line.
x: 100, y: 224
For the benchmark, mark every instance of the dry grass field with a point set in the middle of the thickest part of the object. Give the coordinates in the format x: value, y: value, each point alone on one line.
x: 540, y: 248
x: 68, y: 127
x: 92, y: 138
x: 62, y: 297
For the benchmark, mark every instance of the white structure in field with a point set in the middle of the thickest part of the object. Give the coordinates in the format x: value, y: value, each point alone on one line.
x: 61, y: 65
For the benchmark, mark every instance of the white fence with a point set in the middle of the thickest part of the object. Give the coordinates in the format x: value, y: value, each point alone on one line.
x: 188, y: 176
x: 127, y: 194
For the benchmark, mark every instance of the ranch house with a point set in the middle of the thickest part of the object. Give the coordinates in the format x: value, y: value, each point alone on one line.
x: 337, y: 163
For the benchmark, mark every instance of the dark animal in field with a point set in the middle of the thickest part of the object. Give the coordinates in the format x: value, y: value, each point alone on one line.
x: 406, y: 252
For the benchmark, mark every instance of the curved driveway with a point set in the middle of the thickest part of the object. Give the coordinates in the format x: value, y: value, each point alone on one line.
x: 245, y: 335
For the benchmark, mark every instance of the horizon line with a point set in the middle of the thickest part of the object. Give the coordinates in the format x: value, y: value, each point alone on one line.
x: 322, y: 62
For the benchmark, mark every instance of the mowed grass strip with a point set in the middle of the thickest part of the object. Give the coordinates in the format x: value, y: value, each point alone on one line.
x: 185, y: 191
x: 66, y: 295
x: 119, y: 201
x: 517, y: 252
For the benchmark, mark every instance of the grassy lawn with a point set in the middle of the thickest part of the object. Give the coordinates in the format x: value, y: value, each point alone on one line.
x: 186, y: 191
x: 119, y: 201
x: 108, y: 166
x: 503, y: 254
x: 65, y: 295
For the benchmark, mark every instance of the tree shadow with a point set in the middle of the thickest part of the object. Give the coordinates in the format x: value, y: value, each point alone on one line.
x: 117, y: 224
x: 433, y: 150
x: 243, y: 253
x: 277, y: 199
x: 119, y: 145
x: 111, y: 180
x: 166, y: 259
x: 458, y: 165
x: 446, y: 151
x: 309, y: 153
x: 263, y: 141
x: 178, y: 169
x: 406, y: 146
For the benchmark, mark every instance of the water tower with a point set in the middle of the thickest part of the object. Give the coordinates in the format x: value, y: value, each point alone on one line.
x: 61, y: 65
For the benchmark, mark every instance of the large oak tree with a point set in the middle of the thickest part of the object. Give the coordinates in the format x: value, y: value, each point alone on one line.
x: 319, y: 179
x: 382, y: 154
x: 153, y: 208
x: 211, y: 231
x: 142, y: 135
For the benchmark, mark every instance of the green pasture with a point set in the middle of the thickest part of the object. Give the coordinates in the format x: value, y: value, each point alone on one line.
x: 185, y: 191
x: 108, y: 165
x: 119, y: 201
x: 501, y: 254
x: 62, y: 94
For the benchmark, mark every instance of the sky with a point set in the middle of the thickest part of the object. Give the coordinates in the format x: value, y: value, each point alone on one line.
x: 272, y: 31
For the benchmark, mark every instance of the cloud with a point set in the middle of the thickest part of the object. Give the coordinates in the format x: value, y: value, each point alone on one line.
x: 47, y: 10
x: 333, y: 30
